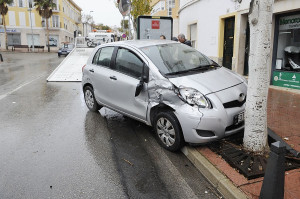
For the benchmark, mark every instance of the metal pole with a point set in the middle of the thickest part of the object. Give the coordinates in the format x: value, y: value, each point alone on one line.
x: 30, y: 7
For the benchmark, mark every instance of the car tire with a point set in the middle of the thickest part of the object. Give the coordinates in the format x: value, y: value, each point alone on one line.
x: 90, y: 99
x: 58, y: 55
x: 168, y: 131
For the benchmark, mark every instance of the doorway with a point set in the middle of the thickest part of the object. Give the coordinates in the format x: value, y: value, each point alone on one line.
x: 247, y: 50
x: 228, y: 42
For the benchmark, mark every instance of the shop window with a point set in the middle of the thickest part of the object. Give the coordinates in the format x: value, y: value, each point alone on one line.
x: 288, y: 50
x: 13, y: 39
x: 286, y: 63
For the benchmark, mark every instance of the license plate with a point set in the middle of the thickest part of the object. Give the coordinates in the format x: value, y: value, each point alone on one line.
x: 239, y: 118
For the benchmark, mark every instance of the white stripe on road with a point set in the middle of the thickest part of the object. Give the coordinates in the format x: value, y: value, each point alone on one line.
x: 22, y: 85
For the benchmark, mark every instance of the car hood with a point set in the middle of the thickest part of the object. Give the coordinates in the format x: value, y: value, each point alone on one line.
x: 210, y: 81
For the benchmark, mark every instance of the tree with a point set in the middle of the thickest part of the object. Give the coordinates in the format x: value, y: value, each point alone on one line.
x: 138, y: 8
x: 260, y: 20
x: 44, y: 7
x: 4, y: 10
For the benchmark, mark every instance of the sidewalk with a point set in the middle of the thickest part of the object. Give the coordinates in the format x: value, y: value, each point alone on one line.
x: 283, y: 119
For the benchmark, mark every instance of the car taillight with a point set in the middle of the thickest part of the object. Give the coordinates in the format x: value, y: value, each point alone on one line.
x: 83, y: 67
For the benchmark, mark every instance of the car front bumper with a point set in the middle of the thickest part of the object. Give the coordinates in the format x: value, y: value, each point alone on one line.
x: 206, y: 125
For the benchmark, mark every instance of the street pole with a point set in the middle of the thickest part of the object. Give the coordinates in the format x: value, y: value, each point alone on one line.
x: 30, y: 7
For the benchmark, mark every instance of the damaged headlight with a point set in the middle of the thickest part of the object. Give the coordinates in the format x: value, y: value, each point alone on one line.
x: 194, y: 97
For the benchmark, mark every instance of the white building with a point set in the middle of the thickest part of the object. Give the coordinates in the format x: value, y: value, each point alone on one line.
x: 219, y: 29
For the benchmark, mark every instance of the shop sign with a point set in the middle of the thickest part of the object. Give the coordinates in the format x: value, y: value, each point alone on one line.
x: 289, y: 22
x: 8, y: 30
x: 286, y: 79
x: 155, y: 24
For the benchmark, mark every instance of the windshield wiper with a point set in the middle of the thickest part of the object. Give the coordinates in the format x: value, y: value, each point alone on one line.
x: 178, y: 72
x: 205, y: 67
x: 199, y: 68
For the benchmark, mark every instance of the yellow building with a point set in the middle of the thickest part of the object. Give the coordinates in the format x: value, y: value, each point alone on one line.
x: 26, y: 27
x: 167, y: 8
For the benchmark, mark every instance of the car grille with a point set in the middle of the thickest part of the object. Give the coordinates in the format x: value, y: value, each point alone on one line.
x: 234, y: 103
x: 234, y: 126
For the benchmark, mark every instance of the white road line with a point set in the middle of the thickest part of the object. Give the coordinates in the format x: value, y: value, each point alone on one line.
x: 22, y: 85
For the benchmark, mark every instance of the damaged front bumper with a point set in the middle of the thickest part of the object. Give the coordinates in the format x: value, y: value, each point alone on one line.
x: 206, y: 125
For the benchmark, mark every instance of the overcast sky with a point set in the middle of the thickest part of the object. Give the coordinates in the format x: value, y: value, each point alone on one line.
x: 104, y: 11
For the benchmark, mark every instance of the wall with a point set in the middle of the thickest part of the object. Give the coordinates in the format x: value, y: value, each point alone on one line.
x: 206, y: 13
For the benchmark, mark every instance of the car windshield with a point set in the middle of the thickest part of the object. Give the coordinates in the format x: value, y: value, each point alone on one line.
x: 177, y: 58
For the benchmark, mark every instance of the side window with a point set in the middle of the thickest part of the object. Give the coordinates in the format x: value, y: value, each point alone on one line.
x: 96, y: 57
x: 103, y: 56
x: 128, y: 63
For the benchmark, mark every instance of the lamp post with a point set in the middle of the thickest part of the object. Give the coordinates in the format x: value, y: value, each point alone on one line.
x: 30, y: 8
x: 92, y: 22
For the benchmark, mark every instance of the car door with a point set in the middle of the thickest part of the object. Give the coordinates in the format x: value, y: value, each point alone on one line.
x: 129, y: 69
x: 101, y: 73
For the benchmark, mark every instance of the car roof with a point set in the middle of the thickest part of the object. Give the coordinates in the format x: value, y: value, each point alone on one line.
x: 142, y: 43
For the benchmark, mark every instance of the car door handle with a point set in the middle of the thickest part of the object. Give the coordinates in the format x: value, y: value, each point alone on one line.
x: 91, y: 70
x: 113, y: 77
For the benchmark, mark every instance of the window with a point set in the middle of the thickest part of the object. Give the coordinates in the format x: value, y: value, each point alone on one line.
x: 12, y: 4
x: 193, y: 34
x: 55, y: 21
x: 128, y: 63
x: 103, y: 56
x: 21, y: 3
x: 158, y: 7
x: 30, y: 3
x: 170, y: 6
x: 56, y: 7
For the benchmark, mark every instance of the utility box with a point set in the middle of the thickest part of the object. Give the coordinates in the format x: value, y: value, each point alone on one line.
x: 152, y: 27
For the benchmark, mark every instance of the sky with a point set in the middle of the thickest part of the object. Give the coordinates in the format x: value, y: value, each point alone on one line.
x: 104, y: 11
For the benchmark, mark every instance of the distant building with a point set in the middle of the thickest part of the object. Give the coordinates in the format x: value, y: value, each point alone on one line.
x: 64, y: 24
x: 167, y: 8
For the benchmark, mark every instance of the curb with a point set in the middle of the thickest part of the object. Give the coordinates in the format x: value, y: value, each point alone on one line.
x: 213, y: 175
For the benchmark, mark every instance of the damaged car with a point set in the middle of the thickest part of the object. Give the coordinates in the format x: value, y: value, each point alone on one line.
x: 185, y: 96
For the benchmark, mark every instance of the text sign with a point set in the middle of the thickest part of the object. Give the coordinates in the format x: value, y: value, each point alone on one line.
x: 286, y: 79
x: 155, y: 24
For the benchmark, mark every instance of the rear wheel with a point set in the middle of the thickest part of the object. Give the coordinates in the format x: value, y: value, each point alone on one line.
x: 168, y: 131
x: 90, y: 100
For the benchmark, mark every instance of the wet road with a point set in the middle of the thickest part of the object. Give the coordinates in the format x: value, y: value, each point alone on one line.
x: 51, y: 146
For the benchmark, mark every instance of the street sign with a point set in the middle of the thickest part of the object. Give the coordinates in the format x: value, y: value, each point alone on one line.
x: 124, y: 36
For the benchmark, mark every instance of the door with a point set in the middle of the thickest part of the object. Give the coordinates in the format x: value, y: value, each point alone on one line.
x: 228, y: 42
x: 247, y: 50
x: 100, y: 73
x: 129, y: 70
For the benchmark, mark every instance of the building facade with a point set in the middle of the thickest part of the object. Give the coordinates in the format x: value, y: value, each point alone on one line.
x: 167, y: 8
x: 26, y: 27
x: 220, y: 29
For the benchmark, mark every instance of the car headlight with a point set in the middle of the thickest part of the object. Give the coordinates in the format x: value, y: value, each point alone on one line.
x: 194, y: 97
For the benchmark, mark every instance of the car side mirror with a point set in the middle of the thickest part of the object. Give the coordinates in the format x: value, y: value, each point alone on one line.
x: 140, y: 86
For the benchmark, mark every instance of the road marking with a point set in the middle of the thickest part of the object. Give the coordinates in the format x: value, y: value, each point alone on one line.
x: 22, y: 85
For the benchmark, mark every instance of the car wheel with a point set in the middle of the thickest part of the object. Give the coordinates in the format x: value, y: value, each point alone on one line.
x: 58, y: 55
x: 168, y: 131
x: 90, y: 100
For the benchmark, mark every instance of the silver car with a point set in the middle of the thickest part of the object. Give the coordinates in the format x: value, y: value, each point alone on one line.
x: 183, y: 94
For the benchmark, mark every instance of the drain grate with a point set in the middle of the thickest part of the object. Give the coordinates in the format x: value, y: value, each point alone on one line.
x: 248, y: 164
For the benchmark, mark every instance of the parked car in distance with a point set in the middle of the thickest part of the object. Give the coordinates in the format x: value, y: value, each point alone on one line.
x: 184, y: 95
x: 65, y: 49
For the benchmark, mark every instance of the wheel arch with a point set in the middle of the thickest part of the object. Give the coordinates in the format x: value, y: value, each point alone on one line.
x: 158, y: 108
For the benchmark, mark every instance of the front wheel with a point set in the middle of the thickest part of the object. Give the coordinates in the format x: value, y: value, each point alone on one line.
x: 168, y: 131
x: 90, y: 100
